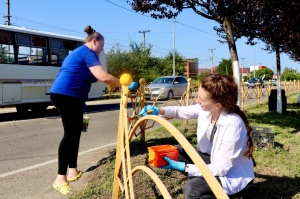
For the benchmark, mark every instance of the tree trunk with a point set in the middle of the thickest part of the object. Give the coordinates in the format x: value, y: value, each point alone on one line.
x: 279, y: 97
x: 233, y: 55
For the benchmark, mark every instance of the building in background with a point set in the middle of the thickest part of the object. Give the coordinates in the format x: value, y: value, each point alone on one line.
x: 245, y: 73
x: 191, y: 68
x: 252, y: 68
x: 207, y: 70
x: 203, y: 70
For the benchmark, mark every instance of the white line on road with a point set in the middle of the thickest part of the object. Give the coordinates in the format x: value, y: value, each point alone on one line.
x: 51, y: 161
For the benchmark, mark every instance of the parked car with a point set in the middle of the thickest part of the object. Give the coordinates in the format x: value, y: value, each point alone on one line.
x: 274, y: 82
x: 253, y: 81
x: 175, y: 86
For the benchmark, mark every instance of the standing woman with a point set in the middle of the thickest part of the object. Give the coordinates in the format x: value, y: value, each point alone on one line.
x: 68, y: 94
x: 223, y: 138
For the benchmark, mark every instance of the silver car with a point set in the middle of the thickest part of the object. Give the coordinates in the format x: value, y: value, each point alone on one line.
x: 167, y: 87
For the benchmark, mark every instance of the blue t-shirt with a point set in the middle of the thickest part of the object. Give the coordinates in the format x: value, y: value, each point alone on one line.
x: 74, y: 77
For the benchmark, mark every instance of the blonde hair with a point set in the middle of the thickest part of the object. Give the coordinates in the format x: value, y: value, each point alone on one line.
x: 92, y: 34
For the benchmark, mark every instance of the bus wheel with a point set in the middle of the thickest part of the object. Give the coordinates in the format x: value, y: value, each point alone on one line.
x: 22, y: 108
x: 38, y: 107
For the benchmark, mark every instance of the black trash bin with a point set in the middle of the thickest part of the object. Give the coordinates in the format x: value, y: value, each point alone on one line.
x: 273, y: 100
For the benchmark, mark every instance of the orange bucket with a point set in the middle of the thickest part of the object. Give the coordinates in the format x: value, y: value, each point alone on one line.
x: 157, y: 153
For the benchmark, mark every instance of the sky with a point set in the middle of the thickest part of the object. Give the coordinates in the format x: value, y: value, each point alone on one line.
x: 191, y: 35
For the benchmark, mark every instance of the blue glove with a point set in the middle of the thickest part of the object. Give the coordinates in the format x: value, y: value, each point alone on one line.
x: 174, y: 165
x: 133, y: 86
x: 149, y: 110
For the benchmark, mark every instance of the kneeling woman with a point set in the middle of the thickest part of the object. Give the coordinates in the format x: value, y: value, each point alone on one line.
x: 223, y: 139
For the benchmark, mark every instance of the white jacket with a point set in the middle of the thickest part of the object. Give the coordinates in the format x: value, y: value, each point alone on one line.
x: 230, y: 143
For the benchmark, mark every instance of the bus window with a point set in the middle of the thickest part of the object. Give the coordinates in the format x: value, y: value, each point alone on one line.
x: 54, y: 58
x: 60, y: 50
x: 6, y: 37
x: 6, y: 47
x: 55, y: 44
x: 39, y: 41
x: 24, y: 55
x: 31, y: 55
x: 24, y: 40
x: 68, y: 45
x: 7, y: 53
x: 77, y: 44
x: 32, y: 49
x: 39, y: 55
x: 55, y: 50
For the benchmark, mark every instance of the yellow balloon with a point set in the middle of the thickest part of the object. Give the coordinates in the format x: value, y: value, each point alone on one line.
x: 126, y: 79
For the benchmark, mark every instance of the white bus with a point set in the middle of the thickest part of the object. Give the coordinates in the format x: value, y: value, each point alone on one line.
x: 29, y: 63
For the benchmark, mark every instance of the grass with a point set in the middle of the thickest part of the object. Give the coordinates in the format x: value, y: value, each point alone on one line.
x: 277, y: 171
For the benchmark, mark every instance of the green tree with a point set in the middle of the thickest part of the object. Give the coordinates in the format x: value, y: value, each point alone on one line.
x: 137, y: 61
x: 289, y: 74
x: 140, y: 63
x: 167, y: 64
x: 275, y: 22
x: 267, y: 72
x: 4, y: 55
x: 225, y: 67
x: 201, y: 76
x: 221, y: 11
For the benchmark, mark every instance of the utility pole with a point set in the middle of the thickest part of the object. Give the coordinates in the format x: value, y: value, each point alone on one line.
x: 144, y: 36
x: 259, y: 64
x: 254, y: 60
x: 118, y: 47
x: 174, y: 47
x: 7, y: 22
x: 212, y: 59
x: 243, y: 67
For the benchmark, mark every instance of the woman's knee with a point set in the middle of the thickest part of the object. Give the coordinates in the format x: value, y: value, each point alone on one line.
x: 192, y: 189
x: 197, y: 188
x: 187, y: 191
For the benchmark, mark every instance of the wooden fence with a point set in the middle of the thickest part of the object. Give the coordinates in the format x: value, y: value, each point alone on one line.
x: 136, y: 125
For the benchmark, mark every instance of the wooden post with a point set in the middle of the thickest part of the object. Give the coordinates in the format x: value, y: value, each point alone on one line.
x: 142, y: 104
x: 258, y: 91
x: 187, y: 97
x: 243, y: 93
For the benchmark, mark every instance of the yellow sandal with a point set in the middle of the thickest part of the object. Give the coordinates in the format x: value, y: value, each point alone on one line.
x: 63, y: 188
x: 80, y: 173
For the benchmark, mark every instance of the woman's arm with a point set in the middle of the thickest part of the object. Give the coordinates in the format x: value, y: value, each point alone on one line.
x: 184, y: 112
x: 103, y: 76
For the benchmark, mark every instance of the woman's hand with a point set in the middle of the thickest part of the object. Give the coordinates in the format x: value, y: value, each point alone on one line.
x: 174, y: 165
x: 149, y: 110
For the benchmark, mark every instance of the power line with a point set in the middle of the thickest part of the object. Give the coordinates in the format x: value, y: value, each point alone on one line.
x: 122, y: 7
x: 160, y: 19
x: 196, y: 29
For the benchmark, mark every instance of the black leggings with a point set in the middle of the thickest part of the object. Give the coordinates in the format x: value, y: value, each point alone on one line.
x: 197, y: 187
x: 71, y: 112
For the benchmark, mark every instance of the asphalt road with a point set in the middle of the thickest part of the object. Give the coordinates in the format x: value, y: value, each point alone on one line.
x: 29, y: 143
